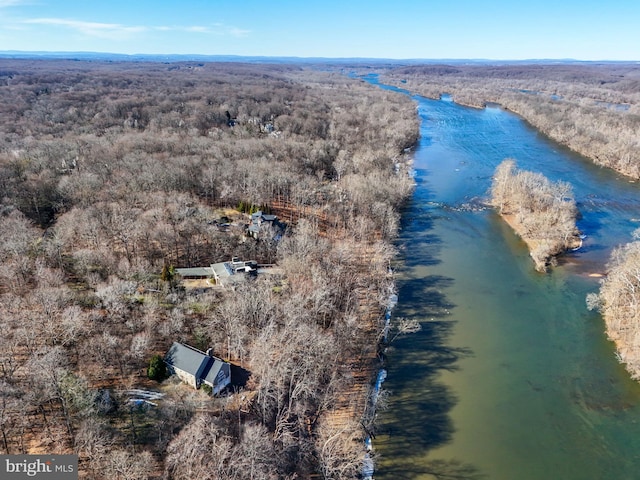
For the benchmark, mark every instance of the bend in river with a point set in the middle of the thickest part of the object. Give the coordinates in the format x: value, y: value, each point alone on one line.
x: 511, y: 376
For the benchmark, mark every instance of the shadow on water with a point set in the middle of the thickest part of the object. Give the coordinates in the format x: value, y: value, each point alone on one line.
x: 440, y: 470
x: 428, y: 293
x: 432, y: 403
x: 423, y: 253
x: 428, y: 408
x: 419, y: 246
x: 420, y: 419
x: 425, y: 400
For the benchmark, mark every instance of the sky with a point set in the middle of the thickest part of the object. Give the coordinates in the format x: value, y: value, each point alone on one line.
x: 395, y: 29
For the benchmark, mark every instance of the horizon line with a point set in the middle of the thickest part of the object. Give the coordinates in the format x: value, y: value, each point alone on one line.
x: 71, y: 54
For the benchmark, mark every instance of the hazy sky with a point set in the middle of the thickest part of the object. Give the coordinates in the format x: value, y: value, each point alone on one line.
x: 492, y: 29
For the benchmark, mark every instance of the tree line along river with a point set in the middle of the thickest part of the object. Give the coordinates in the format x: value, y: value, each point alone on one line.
x: 511, y: 377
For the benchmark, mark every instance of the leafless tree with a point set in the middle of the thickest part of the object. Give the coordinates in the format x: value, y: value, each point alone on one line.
x: 109, y: 172
x: 541, y: 212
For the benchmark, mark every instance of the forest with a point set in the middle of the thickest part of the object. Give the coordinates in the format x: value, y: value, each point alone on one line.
x: 592, y: 108
x: 112, y: 175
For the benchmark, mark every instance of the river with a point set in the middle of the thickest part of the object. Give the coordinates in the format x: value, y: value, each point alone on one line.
x: 511, y: 377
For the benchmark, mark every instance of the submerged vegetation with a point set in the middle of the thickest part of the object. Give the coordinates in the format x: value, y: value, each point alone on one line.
x: 543, y: 213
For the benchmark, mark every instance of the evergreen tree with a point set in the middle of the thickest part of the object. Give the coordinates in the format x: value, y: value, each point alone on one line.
x: 157, y: 369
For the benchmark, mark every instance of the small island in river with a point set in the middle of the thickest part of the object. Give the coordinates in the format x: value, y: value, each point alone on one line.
x: 542, y: 213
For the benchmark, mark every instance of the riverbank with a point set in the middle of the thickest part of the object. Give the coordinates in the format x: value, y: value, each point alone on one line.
x: 590, y: 109
x: 617, y: 301
x: 536, y: 244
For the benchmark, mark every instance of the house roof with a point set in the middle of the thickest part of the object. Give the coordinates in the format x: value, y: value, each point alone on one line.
x: 222, y: 269
x: 265, y: 217
x: 202, y: 366
x: 226, y: 272
x: 195, y: 272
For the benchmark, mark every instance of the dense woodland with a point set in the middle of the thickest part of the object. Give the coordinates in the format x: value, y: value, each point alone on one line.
x: 594, y: 109
x: 543, y: 213
x: 110, y: 174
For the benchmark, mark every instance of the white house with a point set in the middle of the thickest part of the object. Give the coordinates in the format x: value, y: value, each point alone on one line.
x: 224, y: 273
x: 229, y: 273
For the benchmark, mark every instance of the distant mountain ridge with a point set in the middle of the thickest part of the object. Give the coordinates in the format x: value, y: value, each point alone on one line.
x: 143, y: 57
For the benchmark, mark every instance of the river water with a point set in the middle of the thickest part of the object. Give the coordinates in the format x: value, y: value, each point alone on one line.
x: 511, y: 377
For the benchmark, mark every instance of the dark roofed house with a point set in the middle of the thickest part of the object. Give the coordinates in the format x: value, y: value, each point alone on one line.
x: 265, y: 223
x: 195, y: 367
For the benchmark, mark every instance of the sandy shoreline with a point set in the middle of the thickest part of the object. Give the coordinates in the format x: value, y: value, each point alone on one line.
x: 534, y: 243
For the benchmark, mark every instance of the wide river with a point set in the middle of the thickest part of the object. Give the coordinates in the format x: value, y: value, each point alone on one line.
x: 511, y: 377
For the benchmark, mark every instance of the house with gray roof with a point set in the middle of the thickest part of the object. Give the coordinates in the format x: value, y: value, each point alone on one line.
x: 195, y: 272
x: 230, y: 273
x: 195, y: 367
x: 263, y: 224
x: 224, y: 273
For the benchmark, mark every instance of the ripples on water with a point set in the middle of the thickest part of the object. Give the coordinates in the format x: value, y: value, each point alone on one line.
x: 511, y: 377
